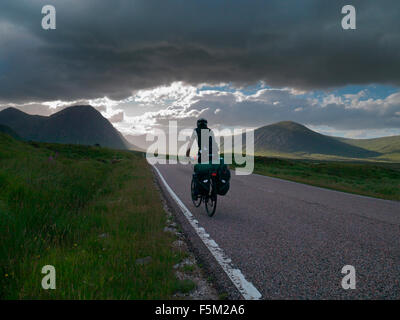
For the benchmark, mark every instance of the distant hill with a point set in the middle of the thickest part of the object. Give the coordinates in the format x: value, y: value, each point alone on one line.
x: 290, y: 138
x: 383, y: 145
x: 76, y: 125
x: 138, y: 142
x: 9, y: 131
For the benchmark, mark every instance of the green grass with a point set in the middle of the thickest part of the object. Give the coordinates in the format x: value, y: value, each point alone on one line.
x: 188, y: 268
x: 184, y: 286
x: 374, y: 179
x: 381, y: 180
x: 390, y: 157
x: 88, y: 215
x: 223, y: 296
x: 385, y: 157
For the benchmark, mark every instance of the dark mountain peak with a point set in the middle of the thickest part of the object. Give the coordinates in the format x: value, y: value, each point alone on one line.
x: 286, y: 123
x: 81, y: 110
x: 287, y: 126
x: 290, y: 125
x: 292, y: 137
x: 11, y: 111
x: 80, y: 124
x: 81, y: 107
x: 14, y: 114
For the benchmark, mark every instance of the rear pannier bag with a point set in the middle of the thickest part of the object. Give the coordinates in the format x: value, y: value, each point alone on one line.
x: 223, y: 179
x: 201, y: 183
x: 202, y: 176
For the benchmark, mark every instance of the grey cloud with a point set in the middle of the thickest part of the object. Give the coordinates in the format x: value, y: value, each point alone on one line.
x: 118, y: 117
x: 110, y: 48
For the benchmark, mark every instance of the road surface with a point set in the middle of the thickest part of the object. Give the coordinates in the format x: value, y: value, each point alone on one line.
x: 292, y: 240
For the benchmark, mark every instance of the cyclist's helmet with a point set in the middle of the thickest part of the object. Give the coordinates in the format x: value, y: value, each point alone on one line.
x: 202, y: 123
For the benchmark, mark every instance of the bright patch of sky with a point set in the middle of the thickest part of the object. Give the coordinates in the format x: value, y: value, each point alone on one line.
x: 372, y: 91
x: 225, y: 106
x: 351, y: 111
x: 228, y: 87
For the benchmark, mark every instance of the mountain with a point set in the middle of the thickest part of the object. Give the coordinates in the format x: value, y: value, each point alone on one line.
x: 9, y: 131
x: 24, y: 124
x: 75, y: 125
x: 289, y: 137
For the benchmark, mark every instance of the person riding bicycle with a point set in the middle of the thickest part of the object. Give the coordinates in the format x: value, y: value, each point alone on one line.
x: 211, y: 176
x: 207, y: 146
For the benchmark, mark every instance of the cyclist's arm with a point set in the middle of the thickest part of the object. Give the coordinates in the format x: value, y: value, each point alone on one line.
x: 214, y: 142
x: 192, y: 139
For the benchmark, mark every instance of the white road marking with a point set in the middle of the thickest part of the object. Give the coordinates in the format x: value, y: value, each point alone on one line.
x: 246, y: 288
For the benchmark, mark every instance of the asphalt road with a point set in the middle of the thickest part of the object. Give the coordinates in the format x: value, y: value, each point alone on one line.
x: 292, y: 240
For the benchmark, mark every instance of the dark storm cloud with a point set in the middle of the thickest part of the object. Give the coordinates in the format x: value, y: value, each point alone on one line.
x: 110, y: 48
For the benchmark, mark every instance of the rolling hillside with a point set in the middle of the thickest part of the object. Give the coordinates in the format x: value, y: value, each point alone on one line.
x: 383, y: 145
x: 76, y: 125
x: 290, y: 138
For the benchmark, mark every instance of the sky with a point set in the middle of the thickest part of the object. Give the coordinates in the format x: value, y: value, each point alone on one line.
x: 238, y: 63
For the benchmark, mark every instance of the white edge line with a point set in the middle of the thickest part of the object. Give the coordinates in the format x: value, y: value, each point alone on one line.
x: 246, y: 288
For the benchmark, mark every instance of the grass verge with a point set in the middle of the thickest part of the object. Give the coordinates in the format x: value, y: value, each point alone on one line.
x: 380, y: 180
x: 89, y: 212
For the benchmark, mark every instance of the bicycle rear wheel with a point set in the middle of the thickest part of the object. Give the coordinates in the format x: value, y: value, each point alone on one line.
x: 196, y: 199
x: 211, y: 205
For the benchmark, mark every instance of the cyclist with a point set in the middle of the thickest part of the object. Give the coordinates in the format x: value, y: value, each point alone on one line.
x: 211, y: 177
x: 207, y: 146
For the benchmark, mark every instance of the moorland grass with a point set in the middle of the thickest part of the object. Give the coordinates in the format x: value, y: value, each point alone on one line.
x: 380, y: 180
x: 91, y: 213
